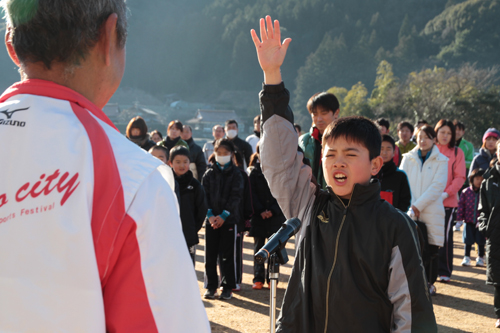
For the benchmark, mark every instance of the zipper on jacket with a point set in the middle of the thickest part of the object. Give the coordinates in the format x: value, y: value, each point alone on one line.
x: 336, y: 253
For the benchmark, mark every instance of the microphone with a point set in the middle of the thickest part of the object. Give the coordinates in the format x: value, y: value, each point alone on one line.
x: 278, y: 241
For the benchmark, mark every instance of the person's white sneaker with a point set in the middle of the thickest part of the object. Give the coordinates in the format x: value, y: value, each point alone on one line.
x: 444, y: 278
x: 466, y: 261
x: 480, y: 262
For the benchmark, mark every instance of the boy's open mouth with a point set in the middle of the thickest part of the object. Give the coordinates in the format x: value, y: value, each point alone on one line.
x: 340, y: 177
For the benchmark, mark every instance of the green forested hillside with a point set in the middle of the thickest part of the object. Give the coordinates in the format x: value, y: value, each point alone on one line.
x: 200, y: 48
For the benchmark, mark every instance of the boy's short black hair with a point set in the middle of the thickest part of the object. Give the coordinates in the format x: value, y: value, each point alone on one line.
x: 325, y: 99
x: 459, y: 124
x: 356, y: 129
x: 383, y: 122
x: 165, y: 150
x: 226, y: 143
x: 178, y: 150
x: 297, y: 126
x: 231, y: 121
x: 407, y: 125
x: 388, y: 138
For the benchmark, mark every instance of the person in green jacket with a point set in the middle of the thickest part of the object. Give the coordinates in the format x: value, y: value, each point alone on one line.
x: 324, y: 109
x: 173, y: 138
x: 463, y: 144
x: 405, y: 131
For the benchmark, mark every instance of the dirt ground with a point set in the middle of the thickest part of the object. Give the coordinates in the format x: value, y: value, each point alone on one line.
x: 463, y: 305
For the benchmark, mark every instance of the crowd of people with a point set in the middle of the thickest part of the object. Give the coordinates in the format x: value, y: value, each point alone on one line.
x: 430, y: 173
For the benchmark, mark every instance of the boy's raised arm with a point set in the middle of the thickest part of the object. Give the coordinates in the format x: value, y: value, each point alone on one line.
x: 289, y: 179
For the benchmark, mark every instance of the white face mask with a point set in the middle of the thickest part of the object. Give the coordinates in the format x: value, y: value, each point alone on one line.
x: 223, y: 160
x: 232, y: 133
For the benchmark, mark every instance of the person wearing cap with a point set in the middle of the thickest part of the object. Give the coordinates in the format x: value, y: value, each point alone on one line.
x: 487, y: 151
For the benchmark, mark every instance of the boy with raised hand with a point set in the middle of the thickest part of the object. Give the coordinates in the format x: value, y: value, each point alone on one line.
x: 357, y: 266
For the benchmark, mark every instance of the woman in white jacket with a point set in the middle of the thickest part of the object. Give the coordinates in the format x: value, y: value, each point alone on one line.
x: 427, y: 171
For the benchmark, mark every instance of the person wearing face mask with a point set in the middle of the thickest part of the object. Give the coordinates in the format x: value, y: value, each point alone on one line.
x: 324, y: 109
x: 445, y: 137
x: 253, y: 139
x: 173, y: 138
x: 137, y: 132
x: 242, y: 147
x: 426, y: 169
x: 223, y: 186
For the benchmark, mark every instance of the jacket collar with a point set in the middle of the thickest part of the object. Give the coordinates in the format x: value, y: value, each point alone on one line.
x: 434, y: 153
x: 360, y: 195
x: 184, y: 179
x: 492, y: 172
x: 316, y: 134
x: 485, y: 153
x: 53, y: 90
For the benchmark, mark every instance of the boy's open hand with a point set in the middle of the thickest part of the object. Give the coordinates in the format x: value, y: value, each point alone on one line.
x: 270, y: 51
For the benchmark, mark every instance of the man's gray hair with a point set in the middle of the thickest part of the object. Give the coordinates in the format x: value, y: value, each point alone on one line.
x: 60, y: 30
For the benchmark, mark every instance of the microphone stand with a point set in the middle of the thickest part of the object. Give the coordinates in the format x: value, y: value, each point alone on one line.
x: 275, y: 260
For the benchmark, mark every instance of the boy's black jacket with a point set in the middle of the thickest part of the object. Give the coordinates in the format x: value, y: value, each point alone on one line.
x: 224, y: 191
x: 345, y: 264
x: 193, y: 206
x: 357, y: 268
x: 395, y: 180
x: 489, y: 221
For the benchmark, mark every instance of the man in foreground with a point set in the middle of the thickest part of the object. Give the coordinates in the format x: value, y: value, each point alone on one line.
x: 94, y: 228
x: 357, y: 267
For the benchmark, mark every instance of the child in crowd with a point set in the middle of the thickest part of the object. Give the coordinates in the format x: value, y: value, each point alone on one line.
x: 162, y: 154
x: 489, y: 222
x: 193, y: 206
x: 394, y: 185
x: 357, y: 266
x: 267, y: 219
x: 223, y: 185
x: 467, y: 212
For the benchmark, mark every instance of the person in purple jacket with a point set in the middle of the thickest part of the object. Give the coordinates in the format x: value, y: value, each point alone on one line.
x: 467, y: 212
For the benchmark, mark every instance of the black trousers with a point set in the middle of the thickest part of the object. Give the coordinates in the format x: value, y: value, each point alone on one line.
x: 260, y: 273
x: 446, y: 252
x: 496, y: 301
x: 239, y: 257
x: 220, y: 241
x: 431, y: 264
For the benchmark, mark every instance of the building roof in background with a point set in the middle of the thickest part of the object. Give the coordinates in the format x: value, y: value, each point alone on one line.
x: 112, y: 111
x: 214, y: 117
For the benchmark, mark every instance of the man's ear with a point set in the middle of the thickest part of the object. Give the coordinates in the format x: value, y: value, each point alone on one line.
x: 377, y: 164
x: 10, y: 47
x: 336, y: 114
x: 107, y: 40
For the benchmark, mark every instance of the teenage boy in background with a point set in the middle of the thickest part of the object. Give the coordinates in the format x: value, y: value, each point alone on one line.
x: 383, y: 126
x: 394, y: 185
x: 405, y: 132
x: 324, y: 109
x: 357, y: 267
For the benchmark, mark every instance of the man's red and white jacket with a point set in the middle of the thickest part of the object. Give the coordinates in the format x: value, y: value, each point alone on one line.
x: 90, y: 235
